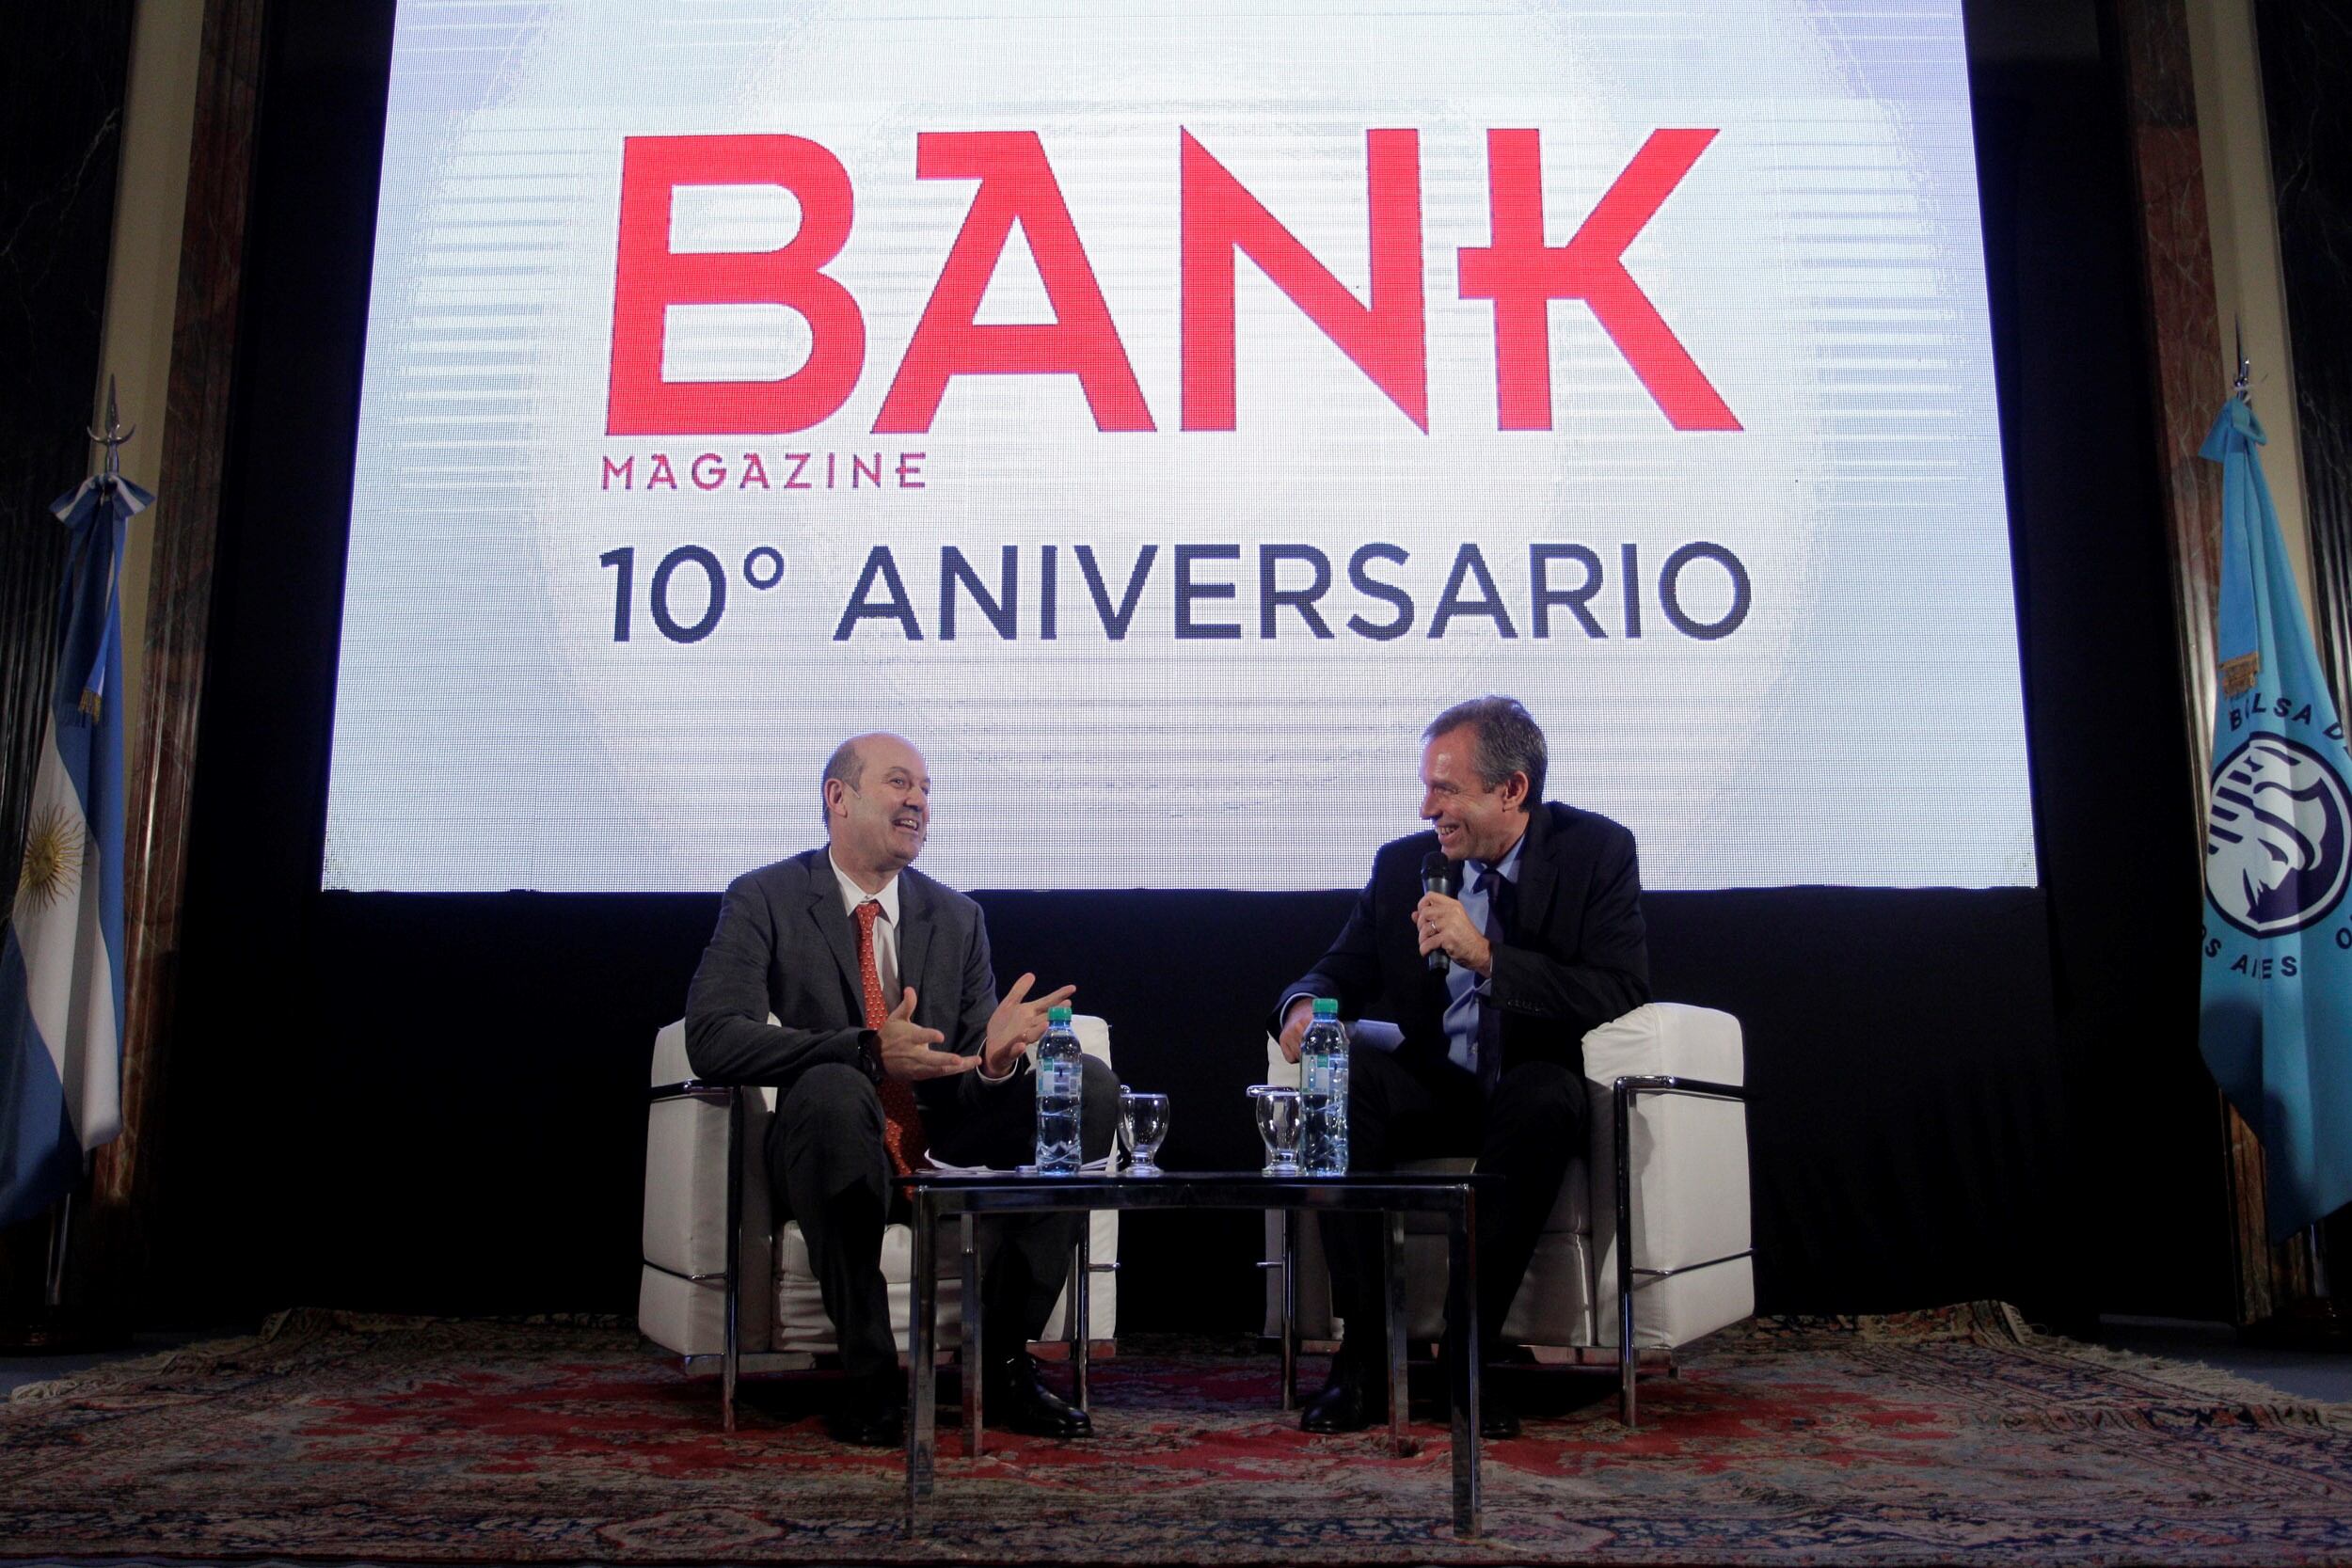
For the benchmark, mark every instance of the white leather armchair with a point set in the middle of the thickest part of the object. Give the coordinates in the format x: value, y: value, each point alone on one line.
x: 723, y: 1283
x: 1669, y: 1157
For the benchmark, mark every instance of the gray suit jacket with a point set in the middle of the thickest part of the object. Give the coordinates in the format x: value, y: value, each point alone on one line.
x: 785, y: 945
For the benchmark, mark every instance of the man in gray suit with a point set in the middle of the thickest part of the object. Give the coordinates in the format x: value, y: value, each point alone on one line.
x: 892, y: 1038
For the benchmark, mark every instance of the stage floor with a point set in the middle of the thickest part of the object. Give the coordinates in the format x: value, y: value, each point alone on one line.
x: 1951, y: 1436
x: 2318, y: 1375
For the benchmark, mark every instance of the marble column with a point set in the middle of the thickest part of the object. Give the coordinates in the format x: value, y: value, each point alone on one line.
x: 179, y: 599
x: 2306, y: 52
x: 2187, y: 384
x: 2306, y: 73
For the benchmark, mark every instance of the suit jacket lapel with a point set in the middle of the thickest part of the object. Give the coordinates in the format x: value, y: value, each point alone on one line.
x: 1539, y: 877
x: 914, y: 929
x: 824, y: 910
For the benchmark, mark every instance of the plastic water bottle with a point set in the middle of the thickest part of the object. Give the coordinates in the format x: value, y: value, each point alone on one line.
x: 1060, y: 1074
x: 1322, y: 1093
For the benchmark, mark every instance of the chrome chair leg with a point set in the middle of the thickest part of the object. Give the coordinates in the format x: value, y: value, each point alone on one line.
x: 1082, y: 1311
x: 974, y: 1352
x: 731, y: 1357
x: 922, y: 1376
x: 1621, y: 1098
x: 1290, y: 1310
x: 1393, y: 1275
x: 1622, y: 1107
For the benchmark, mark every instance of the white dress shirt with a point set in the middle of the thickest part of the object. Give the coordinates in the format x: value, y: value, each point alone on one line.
x: 885, y: 928
x: 886, y: 945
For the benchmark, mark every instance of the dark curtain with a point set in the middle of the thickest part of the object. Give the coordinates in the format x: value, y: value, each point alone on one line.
x: 62, y: 77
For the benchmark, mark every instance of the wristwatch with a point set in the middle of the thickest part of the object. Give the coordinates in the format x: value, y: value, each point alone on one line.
x: 869, y: 1053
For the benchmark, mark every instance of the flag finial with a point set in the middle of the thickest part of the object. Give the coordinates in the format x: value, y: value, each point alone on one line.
x: 114, y: 434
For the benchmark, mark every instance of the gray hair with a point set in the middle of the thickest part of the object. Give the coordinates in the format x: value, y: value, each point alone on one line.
x: 846, y: 764
x: 1509, y: 741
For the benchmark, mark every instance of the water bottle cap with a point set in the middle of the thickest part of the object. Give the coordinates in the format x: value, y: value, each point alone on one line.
x: 1327, y: 1007
x: 1056, y: 1015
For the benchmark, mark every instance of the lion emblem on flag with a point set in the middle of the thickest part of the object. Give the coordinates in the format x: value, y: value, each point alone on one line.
x: 2275, y: 846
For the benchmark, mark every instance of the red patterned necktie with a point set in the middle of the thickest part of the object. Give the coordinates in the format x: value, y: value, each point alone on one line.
x: 902, y: 1119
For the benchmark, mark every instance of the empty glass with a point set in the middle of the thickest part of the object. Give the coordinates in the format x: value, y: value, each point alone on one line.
x: 1278, y: 1124
x: 1142, y: 1125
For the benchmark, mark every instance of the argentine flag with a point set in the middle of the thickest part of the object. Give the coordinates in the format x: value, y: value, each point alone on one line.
x: 2275, y: 1025
x: 62, y: 966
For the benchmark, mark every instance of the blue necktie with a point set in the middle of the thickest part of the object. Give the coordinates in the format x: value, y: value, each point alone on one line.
x: 1492, y: 884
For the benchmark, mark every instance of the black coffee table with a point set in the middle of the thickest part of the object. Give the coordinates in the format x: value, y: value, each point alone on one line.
x: 1394, y: 1193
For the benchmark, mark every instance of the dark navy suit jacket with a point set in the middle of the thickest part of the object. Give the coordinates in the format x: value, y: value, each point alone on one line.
x: 1575, y: 953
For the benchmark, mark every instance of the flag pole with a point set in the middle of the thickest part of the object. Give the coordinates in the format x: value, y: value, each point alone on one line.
x: 60, y: 1236
x: 2313, y: 1319
x: 2259, y: 1032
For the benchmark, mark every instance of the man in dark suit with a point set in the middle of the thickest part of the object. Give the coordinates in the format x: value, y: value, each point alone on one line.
x: 891, y: 1040
x: 1543, y: 942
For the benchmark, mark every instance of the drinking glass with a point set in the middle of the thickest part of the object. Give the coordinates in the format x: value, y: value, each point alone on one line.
x: 1142, y: 1125
x: 1278, y: 1127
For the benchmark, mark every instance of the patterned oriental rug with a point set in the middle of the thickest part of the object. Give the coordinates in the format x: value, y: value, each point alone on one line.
x: 1947, y: 1437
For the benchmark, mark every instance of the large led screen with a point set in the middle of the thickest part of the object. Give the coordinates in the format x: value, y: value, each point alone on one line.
x: 1159, y: 413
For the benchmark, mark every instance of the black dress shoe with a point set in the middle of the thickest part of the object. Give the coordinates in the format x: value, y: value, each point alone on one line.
x: 1498, y: 1417
x: 1015, y: 1400
x: 872, y: 1413
x: 1353, y: 1399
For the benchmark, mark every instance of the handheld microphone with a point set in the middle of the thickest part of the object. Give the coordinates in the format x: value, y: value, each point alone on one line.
x: 1440, y: 875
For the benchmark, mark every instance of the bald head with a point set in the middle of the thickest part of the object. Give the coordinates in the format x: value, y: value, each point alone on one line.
x: 878, y: 805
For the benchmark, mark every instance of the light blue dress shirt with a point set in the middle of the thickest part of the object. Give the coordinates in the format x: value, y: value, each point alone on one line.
x: 1467, y: 991
x: 1464, y: 989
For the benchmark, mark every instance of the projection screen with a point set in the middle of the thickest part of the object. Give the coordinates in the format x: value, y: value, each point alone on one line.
x: 1158, y: 414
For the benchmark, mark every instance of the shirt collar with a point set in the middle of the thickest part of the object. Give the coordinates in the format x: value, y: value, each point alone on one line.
x: 1508, y: 865
x: 852, y: 894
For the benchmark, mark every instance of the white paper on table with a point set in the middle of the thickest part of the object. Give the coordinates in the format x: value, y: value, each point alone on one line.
x: 933, y: 1164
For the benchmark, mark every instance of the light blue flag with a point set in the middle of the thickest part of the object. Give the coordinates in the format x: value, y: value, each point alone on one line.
x: 2276, y: 1019
x: 62, y: 966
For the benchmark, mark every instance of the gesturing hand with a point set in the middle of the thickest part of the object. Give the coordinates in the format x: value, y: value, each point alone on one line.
x: 1016, y: 1024
x: 908, y: 1051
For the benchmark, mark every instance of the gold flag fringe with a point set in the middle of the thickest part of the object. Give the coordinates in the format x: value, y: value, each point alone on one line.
x: 2238, y: 674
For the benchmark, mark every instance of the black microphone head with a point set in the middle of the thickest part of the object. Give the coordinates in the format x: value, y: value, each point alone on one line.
x: 1440, y: 875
